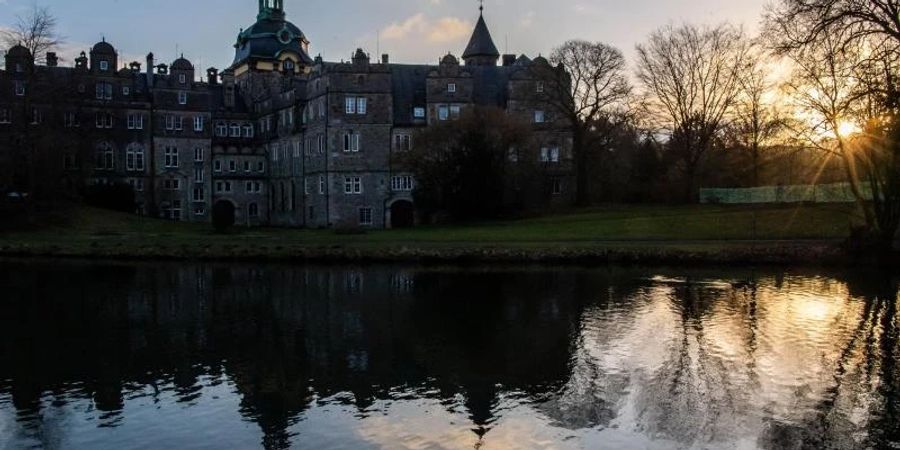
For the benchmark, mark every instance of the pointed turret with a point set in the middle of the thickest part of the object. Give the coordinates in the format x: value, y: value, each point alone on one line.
x: 481, y: 50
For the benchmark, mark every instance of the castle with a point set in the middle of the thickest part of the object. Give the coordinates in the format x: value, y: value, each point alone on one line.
x: 279, y: 138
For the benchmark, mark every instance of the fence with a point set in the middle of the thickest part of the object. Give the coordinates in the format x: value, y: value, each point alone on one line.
x: 817, y: 193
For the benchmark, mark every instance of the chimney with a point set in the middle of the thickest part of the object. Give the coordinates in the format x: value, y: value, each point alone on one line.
x: 135, y: 66
x: 150, y: 70
x: 52, y: 60
x: 385, y: 59
x: 509, y: 60
x: 212, y: 75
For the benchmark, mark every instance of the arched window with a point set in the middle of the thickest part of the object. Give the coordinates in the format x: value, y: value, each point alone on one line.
x: 221, y: 130
x: 235, y: 130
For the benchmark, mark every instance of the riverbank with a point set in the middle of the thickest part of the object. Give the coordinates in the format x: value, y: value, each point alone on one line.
x: 621, y: 234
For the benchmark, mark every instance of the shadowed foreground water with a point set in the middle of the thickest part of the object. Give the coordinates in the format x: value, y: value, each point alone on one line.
x: 117, y: 356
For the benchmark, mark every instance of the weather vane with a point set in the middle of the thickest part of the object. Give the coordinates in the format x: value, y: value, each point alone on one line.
x: 481, y: 7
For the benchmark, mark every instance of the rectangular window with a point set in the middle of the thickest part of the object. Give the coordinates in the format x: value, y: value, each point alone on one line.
x: 198, y: 154
x: 246, y: 166
x: 351, y: 142
x: 179, y: 123
x: 365, y: 216
x: 104, y: 91
x: 350, y: 105
x: 248, y: 131
x: 539, y: 87
x: 170, y: 122
x: 217, y: 166
x: 20, y: 88
x: 451, y: 88
x: 402, y: 143
x: 353, y: 185
x: 235, y: 130
x: 539, y: 117
x: 198, y: 174
x: 232, y: 166
x: 443, y: 112
x: 171, y: 155
x: 70, y: 120
x: 199, y: 211
x: 182, y: 79
x: 296, y: 149
x: 199, y: 194
x: 454, y: 112
x: 221, y: 130
x: 198, y: 123
x: 403, y: 183
x: 355, y: 105
x: 172, y: 184
x: 137, y: 184
x: 104, y: 120
x: 104, y: 65
x: 223, y: 187
x: 134, y: 158
x: 419, y: 113
x: 135, y: 121
x: 5, y: 116
x: 321, y: 184
x: 556, y: 186
x: 260, y: 167
x: 36, y: 116
x: 182, y: 98
x: 126, y: 91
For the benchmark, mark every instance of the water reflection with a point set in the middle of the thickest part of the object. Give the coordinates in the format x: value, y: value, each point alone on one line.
x: 183, y: 355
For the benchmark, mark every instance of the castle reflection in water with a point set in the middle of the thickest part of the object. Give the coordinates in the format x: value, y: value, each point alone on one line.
x: 192, y: 355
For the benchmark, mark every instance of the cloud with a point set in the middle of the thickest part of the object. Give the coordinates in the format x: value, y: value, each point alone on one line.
x: 432, y: 31
x: 527, y: 20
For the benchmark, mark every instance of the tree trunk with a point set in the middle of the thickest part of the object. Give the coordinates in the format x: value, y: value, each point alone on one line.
x: 582, y: 174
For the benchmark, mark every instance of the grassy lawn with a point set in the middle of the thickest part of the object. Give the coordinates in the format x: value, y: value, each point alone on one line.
x: 688, y: 228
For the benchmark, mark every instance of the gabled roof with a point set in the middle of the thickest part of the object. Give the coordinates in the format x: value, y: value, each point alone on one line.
x: 481, y: 43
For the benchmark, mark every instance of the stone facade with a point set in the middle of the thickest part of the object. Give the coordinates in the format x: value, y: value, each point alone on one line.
x: 285, y: 139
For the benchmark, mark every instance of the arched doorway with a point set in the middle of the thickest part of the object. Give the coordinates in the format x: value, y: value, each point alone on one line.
x: 223, y: 214
x: 403, y: 214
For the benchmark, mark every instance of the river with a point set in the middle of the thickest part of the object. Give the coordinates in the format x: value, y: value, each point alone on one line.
x: 196, y: 356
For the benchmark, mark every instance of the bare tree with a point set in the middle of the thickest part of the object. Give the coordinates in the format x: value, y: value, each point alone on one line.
x: 801, y: 22
x: 588, y: 87
x: 691, y: 78
x: 36, y: 31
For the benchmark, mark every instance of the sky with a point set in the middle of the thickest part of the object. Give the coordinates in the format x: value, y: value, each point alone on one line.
x: 411, y: 31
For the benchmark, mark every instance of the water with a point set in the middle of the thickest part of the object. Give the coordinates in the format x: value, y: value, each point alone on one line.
x: 150, y: 356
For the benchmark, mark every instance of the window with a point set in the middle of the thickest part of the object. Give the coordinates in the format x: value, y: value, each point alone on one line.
x: 199, y: 211
x: 19, y: 68
x: 104, y: 120
x: 198, y: 174
x: 199, y: 194
x: 288, y: 66
x: 223, y: 187
x: 321, y: 143
x: 353, y: 185
x: 20, y: 88
x: 513, y: 154
x: 260, y: 166
x: 104, y: 91
x: 539, y: 87
x: 198, y: 123
x: 198, y: 154
x: 296, y: 149
x: 171, y: 155
x: 126, y: 91
x: 402, y: 143
x: 454, y: 112
x: 137, y: 184
x: 182, y: 79
x: 135, y: 121
x: 221, y: 130
x: 538, y: 117
x: 105, y: 159
x: 276, y: 148
x: 253, y: 210
x: 176, y: 210
x: 248, y: 131
x: 253, y: 187
x: 451, y: 88
x: 365, y: 216
x: 232, y: 166
x: 556, y: 186
x: 134, y: 158
x: 182, y: 98
x: 170, y: 122
x: 448, y: 112
x: 419, y: 113
x: 217, y: 166
x: 36, y: 116
x: 246, y: 166
x: 179, y: 123
x: 321, y: 184
x: 104, y: 66
x: 351, y: 142
x: 355, y: 105
x: 235, y: 130
x: 403, y: 183
x: 5, y: 116
x: 550, y: 155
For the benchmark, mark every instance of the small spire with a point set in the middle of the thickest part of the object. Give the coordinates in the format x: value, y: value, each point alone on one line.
x: 481, y: 7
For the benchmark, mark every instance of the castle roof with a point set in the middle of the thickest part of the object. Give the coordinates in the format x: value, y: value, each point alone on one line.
x: 481, y: 43
x: 269, y: 37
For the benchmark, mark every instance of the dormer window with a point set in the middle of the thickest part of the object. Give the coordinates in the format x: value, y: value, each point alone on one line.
x: 126, y: 90
x: 451, y: 88
x: 182, y: 98
x: 182, y: 79
x: 104, y: 66
x: 19, y: 68
x: 288, y: 66
x: 419, y: 113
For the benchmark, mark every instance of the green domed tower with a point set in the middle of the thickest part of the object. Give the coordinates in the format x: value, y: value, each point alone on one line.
x: 272, y: 43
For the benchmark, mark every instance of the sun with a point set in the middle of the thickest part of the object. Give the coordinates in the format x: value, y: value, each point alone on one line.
x: 846, y: 128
